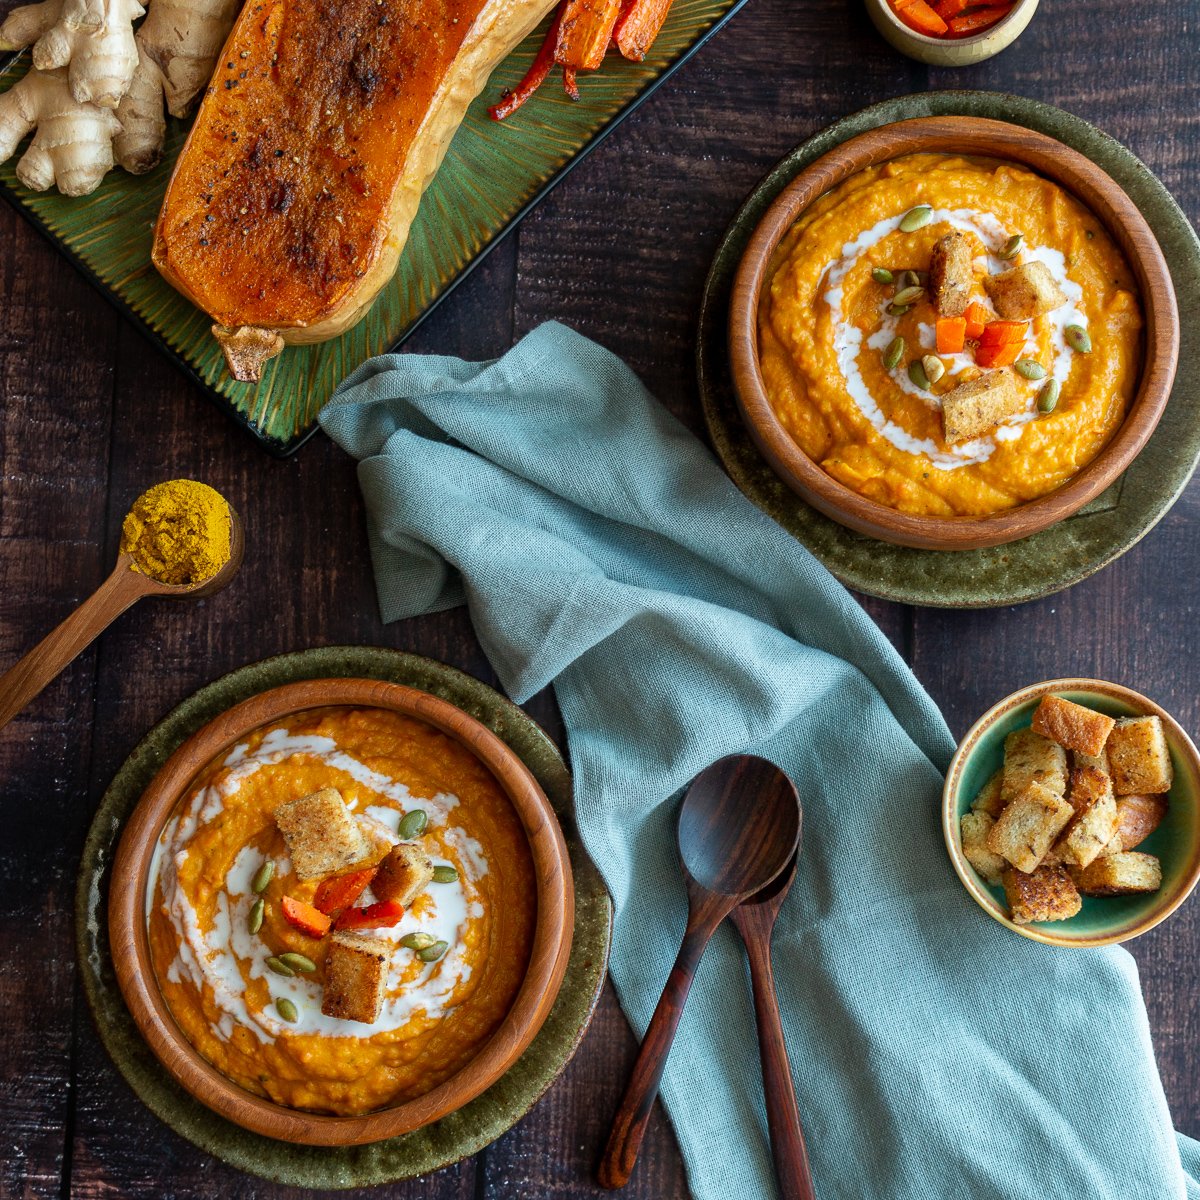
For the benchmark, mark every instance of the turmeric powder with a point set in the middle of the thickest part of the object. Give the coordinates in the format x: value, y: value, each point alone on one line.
x: 178, y: 532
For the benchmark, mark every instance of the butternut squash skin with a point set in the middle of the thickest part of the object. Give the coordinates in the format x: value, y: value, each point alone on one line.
x: 324, y: 122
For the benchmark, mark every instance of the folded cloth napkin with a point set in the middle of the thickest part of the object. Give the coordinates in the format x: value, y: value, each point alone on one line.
x: 600, y: 548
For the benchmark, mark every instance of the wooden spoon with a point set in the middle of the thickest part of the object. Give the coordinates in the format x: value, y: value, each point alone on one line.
x: 755, y: 920
x: 124, y: 587
x: 739, y: 827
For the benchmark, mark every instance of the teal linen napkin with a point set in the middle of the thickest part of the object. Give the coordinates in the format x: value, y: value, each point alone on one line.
x: 600, y: 548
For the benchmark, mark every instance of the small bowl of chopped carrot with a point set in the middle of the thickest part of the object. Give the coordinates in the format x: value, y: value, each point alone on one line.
x: 951, y: 33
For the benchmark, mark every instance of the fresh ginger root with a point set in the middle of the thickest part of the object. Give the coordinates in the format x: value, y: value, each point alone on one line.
x: 73, y: 143
x: 92, y: 38
x: 139, y: 145
x: 184, y: 37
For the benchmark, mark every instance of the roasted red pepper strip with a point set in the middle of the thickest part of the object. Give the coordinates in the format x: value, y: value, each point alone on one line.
x: 386, y: 912
x: 305, y: 918
x: 341, y: 891
x: 976, y: 21
x: 534, y: 77
x: 1001, y: 333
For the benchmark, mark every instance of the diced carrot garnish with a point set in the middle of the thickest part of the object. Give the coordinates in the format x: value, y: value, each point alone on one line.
x: 305, y: 918
x: 584, y: 31
x: 975, y: 22
x: 977, y: 319
x: 341, y: 891
x: 638, y: 26
x: 999, y: 333
x: 951, y: 334
x: 386, y: 912
x: 534, y: 77
x: 1004, y: 354
x: 919, y: 16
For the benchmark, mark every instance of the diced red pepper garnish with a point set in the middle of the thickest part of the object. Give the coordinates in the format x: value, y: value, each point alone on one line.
x: 534, y: 77
x: 305, y: 918
x: 951, y: 334
x: 977, y: 318
x: 1000, y: 333
x: 1003, y: 354
x: 977, y: 21
x: 919, y: 16
x: 386, y: 912
x: 341, y: 891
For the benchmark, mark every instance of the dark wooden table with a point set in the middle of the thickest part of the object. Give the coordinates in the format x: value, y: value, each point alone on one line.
x: 91, y: 415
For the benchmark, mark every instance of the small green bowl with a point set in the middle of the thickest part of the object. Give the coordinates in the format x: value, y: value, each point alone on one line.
x: 1103, y: 919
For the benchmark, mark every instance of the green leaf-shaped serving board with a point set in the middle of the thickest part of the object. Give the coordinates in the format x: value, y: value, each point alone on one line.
x: 492, y: 174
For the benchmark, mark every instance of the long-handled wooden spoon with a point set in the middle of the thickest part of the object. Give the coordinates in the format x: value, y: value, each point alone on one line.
x: 124, y: 587
x: 755, y: 920
x: 738, y: 828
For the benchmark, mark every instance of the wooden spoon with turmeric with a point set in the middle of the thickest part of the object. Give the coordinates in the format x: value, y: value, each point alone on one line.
x: 180, y: 539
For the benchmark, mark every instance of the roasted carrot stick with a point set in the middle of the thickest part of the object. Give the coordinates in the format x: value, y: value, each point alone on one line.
x: 638, y: 26
x: 919, y: 16
x: 534, y: 77
x: 584, y: 31
x: 951, y: 333
x: 951, y: 8
x: 569, y: 84
x: 1002, y: 355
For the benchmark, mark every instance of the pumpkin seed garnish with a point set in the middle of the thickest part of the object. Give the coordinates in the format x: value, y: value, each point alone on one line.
x: 897, y: 310
x: 916, y: 373
x: 280, y: 967
x: 909, y: 295
x: 915, y: 218
x: 434, y: 952
x: 1030, y: 368
x: 1078, y: 338
x: 882, y: 275
x: 257, y: 911
x: 287, y: 1010
x: 1012, y: 247
x: 907, y: 279
x: 297, y: 962
x: 933, y: 367
x: 1048, y: 396
x: 417, y: 941
x: 894, y: 353
x: 262, y: 877
x: 413, y: 824
x: 444, y: 875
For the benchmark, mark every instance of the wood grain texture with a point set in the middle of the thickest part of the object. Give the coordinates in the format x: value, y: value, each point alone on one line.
x: 91, y: 415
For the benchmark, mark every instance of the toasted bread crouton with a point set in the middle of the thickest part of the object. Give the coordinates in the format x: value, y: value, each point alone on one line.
x: 975, y: 827
x: 951, y: 273
x: 1024, y: 292
x: 1099, y: 761
x: 1031, y: 758
x: 1095, y: 821
x: 1071, y: 725
x: 403, y: 875
x: 989, y: 800
x: 1139, y: 758
x: 322, y: 835
x: 1119, y: 874
x: 1027, y: 827
x: 1137, y: 818
x: 1047, y: 894
x: 978, y: 406
x: 356, y: 969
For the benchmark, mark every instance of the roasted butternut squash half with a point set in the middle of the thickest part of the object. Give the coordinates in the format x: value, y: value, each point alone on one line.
x: 322, y: 126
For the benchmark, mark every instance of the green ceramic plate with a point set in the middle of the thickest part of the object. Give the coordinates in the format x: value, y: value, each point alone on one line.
x: 446, y: 1141
x: 492, y: 175
x: 1049, y: 561
x: 1176, y: 842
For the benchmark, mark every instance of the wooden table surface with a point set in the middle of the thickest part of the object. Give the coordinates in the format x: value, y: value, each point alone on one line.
x: 91, y: 415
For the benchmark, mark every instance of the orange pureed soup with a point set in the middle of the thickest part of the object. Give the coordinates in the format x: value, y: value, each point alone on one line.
x: 213, y: 971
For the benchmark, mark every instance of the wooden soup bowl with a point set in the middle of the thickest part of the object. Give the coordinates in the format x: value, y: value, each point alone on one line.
x: 128, y: 933
x: 992, y: 139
